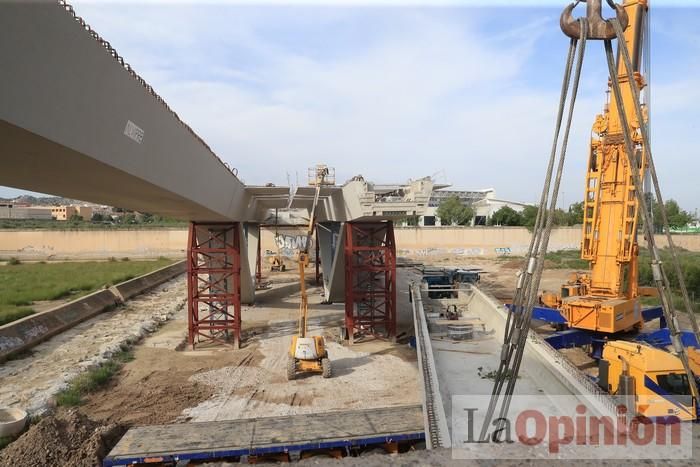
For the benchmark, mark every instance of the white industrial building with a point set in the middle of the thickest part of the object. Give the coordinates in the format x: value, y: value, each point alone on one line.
x: 484, y: 202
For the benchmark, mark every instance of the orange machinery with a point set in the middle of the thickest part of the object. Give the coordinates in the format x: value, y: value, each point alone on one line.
x: 605, y: 299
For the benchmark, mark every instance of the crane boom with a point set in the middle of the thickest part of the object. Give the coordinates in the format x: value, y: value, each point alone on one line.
x: 606, y: 298
x: 321, y: 172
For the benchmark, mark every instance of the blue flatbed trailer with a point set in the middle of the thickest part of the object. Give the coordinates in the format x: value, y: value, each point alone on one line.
x: 293, y: 434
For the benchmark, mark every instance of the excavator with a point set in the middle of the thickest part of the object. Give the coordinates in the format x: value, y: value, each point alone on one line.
x: 605, y: 299
x: 308, y: 354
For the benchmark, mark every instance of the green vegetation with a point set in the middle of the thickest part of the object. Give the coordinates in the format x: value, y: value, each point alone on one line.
x: 574, y: 216
x: 565, y: 259
x: 453, y: 212
x: 23, y: 284
x: 92, y: 380
x: 690, y: 268
x: 5, y: 440
x: 677, y: 218
x: 98, y: 222
x: 506, y: 216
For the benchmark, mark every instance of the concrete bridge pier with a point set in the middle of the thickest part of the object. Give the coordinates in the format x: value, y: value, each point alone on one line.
x: 250, y: 253
x: 330, y: 247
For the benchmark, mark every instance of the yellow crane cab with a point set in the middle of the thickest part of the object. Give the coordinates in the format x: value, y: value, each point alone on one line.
x: 654, y: 378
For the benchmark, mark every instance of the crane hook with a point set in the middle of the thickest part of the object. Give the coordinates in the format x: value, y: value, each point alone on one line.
x: 598, y: 27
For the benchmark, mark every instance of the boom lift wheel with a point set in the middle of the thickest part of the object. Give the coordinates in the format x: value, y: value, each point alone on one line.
x: 326, y: 366
x: 291, y: 368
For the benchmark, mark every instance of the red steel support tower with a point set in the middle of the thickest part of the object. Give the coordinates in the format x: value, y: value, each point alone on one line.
x: 370, y: 279
x: 214, y: 283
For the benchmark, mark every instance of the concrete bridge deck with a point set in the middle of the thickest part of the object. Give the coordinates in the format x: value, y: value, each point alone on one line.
x: 77, y: 121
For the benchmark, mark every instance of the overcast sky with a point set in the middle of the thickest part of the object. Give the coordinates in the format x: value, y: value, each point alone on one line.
x: 461, y: 91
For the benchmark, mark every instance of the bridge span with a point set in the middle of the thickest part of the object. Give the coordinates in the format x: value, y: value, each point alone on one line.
x: 77, y: 121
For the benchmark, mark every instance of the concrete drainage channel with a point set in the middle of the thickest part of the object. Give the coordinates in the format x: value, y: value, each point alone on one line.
x: 453, y: 361
x: 21, y: 335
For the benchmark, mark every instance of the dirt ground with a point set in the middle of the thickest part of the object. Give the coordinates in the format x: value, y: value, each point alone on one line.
x: 167, y: 381
x: 65, y: 439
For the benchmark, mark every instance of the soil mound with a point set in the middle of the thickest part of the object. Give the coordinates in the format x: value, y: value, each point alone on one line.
x: 68, y: 438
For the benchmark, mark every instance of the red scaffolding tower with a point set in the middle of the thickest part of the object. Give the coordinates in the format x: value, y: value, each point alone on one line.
x: 214, y: 283
x: 370, y: 280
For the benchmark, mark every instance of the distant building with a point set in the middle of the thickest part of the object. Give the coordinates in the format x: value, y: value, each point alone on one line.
x: 85, y: 212
x: 484, y: 209
x: 484, y: 203
x: 11, y: 211
x: 64, y: 213
x: 440, y: 194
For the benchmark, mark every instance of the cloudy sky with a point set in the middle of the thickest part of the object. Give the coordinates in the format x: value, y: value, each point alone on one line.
x: 462, y: 91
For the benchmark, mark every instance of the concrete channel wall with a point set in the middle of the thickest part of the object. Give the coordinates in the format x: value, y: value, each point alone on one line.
x: 410, y: 241
x: 92, y: 244
x: 23, y: 334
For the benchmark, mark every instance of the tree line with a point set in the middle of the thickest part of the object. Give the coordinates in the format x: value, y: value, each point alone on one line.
x: 453, y: 212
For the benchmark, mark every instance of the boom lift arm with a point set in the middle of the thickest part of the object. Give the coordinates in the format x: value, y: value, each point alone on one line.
x: 303, y: 259
x: 309, y: 354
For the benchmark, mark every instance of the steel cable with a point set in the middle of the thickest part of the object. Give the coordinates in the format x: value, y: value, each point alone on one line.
x: 659, y: 274
x: 655, y: 181
x: 518, y: 321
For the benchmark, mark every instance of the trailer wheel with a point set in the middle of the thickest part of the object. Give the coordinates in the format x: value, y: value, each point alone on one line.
x: 291, y: 369
x: 326, y: 367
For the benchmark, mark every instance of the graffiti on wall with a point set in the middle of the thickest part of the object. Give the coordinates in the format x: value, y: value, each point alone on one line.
x: 290, y: 244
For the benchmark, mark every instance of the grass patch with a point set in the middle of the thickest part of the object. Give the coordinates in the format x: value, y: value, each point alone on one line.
x: 92, y: 380
x: 566, y: 259
x: 5, y: 440
x: 23, y: 284
x: 9, y: 315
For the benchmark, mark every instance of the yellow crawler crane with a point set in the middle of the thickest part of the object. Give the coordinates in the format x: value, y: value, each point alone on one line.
x: 308, y: 354
x: 605, y: 299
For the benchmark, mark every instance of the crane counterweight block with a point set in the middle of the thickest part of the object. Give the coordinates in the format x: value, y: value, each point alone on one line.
x: 598, y: 27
